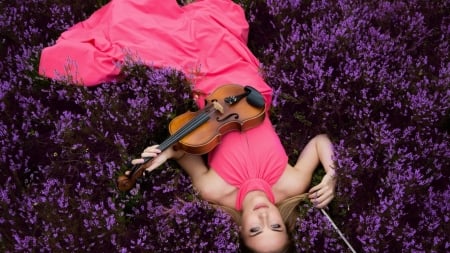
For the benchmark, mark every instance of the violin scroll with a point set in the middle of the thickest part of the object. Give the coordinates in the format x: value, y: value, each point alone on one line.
x: 124, y: 183
x: 128, y: 180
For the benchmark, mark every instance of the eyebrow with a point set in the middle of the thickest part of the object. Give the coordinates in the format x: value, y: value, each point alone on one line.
x: 273, y: 229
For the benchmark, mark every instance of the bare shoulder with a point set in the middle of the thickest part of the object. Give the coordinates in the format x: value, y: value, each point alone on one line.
x: 291, y: 182
x: 213, y: 188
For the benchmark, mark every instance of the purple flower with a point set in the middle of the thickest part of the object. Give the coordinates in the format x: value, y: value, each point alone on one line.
x: 373, y: 75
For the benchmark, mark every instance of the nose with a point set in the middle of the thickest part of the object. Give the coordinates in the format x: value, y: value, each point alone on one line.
x: 263, y: 216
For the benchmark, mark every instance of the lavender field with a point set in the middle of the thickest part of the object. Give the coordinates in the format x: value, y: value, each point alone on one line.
x: 374, y: 75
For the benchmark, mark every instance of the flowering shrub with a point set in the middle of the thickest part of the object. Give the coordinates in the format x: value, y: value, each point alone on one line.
x: 374, y: 76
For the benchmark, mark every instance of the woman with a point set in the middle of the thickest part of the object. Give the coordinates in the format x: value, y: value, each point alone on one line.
x: 207, y: 40
x: 249, y: 172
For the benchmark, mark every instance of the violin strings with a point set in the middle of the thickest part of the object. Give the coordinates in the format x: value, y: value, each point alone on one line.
x: 190, y: 126
x: 197, y: 121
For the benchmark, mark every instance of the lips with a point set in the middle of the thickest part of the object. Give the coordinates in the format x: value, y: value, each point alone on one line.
x: 259, y: 206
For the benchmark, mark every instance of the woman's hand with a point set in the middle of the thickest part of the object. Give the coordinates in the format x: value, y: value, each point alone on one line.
x: 322, y: 194
x: 158, y: 157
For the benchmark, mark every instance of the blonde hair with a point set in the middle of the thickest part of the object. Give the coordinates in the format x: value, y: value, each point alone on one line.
x: 288, y: 213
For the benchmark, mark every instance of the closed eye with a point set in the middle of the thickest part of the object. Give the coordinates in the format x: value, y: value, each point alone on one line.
x: 256, y: 231
x: 276, y: 227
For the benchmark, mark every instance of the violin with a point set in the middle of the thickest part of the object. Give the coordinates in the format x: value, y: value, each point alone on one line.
x: 200, y: 132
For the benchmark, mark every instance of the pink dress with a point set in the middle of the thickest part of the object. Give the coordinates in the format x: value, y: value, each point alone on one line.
x: 206, y: 40
x: 250, y: 160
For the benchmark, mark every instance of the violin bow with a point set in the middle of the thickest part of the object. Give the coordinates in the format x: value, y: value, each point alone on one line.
x: 337, y: 230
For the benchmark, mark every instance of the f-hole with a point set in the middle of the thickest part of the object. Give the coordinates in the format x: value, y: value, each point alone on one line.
x: 235, y: 115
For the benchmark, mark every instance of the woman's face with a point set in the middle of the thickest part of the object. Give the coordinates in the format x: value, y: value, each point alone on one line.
x: 262, y: 227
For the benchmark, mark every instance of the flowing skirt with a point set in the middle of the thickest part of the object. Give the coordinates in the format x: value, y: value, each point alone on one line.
x: 206, y: 40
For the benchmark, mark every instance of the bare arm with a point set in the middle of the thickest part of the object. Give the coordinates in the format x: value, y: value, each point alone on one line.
x: 192, y: 164
x: 318, y: 150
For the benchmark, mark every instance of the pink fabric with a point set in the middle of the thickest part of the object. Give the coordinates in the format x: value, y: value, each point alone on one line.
x: 251, y: 160
x: 205, y: 39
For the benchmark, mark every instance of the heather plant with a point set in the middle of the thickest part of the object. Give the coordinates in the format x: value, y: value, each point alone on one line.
x: 374, y: 75
x: 64, y: 145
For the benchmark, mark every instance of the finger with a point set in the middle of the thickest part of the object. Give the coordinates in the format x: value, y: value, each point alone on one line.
x: 152, y: 167
x: 316, y: 203
x: 323, y: 203
x: 315, y: 188
x: 152, y: 149
x: 149, y: 154
x: 324, y: 200
x: 137, y: 161
x: 313, y: 194
x: 156, y: 162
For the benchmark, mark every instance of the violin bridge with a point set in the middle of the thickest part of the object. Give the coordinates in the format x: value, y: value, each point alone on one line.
x: 218, y: 106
